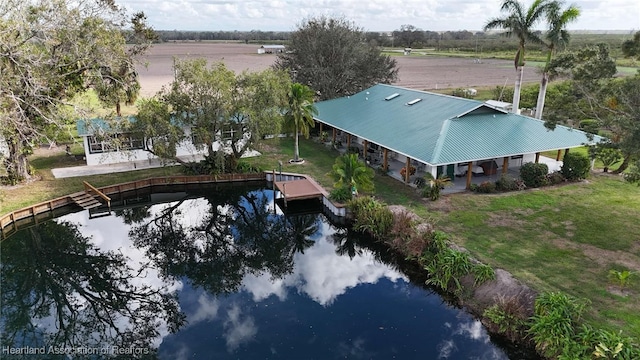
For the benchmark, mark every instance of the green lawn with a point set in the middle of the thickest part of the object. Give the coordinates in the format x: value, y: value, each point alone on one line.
x: 563, y: 238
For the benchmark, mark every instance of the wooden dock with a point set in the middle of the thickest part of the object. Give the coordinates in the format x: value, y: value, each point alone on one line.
x: 29, y: 216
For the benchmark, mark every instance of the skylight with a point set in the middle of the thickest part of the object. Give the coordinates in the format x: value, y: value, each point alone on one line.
x: 392, y: 96
x: 414, y: 101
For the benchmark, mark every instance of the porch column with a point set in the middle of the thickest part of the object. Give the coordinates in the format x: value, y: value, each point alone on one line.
x: 537, y: 157
x: 558, y: 155
x: 505, y: 165
x: 334, y: 136
x: 469, y: 174
x: 406, y: 171
x: 385, y: 166
x: 320, y: 130
x: 348, y: 141
x: 364, y: 149
x: 566, y: 151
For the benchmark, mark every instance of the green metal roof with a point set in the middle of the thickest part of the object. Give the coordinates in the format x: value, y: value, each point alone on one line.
x: 441, y: 129
x: 91, y: 126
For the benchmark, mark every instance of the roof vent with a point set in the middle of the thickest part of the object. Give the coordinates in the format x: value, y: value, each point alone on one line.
x: 392, y: 96
x: 414, y: 101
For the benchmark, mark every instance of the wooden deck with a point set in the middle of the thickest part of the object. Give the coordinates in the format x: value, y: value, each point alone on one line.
x: 301, y: 189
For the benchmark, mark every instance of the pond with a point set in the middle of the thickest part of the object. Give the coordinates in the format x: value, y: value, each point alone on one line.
x: 215, y: 274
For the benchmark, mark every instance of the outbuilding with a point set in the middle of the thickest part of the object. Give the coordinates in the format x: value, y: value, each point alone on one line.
x: 271, y: 49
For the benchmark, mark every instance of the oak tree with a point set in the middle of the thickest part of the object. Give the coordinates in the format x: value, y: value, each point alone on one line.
x: 332, y: 56
x: 51, y: 50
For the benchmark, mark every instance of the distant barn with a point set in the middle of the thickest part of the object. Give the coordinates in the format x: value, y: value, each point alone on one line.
x: 270, y: 49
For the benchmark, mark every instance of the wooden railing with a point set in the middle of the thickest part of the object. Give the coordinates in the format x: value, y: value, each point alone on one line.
x: 88, y: 188
x: 8, y: 221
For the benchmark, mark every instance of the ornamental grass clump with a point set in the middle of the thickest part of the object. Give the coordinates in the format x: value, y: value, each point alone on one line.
x: 371, y: 216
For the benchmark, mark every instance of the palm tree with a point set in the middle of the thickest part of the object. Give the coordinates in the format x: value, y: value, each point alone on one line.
x: 300, y: 113
x: 348, y: 171
x: 520, y: 23
x: 557, y: 36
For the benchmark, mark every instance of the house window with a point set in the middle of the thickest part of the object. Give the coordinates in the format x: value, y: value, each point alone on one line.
x: 122, y: 142
x: 130, y: 142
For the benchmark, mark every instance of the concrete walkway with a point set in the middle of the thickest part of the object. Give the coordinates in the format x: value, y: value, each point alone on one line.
x: 86, y: 170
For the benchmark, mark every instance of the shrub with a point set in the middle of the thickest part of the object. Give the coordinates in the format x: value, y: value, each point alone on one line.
x: 482, y: 273
x: 420, y: 182
x: 403, y: 225
x: 446, y: 269
x: 509, y: 183
x: 341, y: 194
x: 433, y: 186
x: 554, y: 324
x: 371, y: 216
x: 575, y: 166
x: 486, y: 187
x: 247, y: 168
x: 555, y: 178
x: 633, y: 175
x: 534, y: 174
x: 508, y: 317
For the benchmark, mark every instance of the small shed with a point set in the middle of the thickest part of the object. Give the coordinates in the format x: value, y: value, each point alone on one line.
x: 270, y: 49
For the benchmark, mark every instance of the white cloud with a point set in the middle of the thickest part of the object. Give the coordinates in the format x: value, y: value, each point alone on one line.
x: 321, y: 274
x: 238, y: 329
x: 473, y: 330
x: 372, y: 15
x: 445, y: 348
x: 207, y: 309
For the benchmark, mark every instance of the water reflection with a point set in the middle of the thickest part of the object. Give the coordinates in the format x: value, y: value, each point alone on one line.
x: 222, y: 274
x: 60, y: 289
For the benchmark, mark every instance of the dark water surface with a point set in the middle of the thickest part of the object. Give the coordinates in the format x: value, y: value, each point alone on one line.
x: 218, y: 275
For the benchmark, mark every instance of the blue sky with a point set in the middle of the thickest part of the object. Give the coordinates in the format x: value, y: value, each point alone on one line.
x: 371, y: 15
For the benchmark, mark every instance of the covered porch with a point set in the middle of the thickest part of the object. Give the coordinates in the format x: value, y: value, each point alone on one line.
x: 490, y: 169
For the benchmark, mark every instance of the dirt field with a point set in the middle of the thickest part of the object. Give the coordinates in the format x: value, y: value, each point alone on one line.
x: 416, y: 72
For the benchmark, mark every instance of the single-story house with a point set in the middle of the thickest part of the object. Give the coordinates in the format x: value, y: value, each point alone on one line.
x: 99, y: 149
x: 441, y: 134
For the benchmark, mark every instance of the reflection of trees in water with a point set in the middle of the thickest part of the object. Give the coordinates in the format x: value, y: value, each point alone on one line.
x: 239, y: 235
x: 58, y: 289
x: 133, y: 215
x: 346, y: 242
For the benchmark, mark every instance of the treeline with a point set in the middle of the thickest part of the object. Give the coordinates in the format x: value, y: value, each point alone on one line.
x: 245, y: 36
x: 463, y: 41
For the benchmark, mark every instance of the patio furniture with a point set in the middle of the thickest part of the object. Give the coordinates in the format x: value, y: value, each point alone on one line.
x: 489, y: 167
x: 475, y: 170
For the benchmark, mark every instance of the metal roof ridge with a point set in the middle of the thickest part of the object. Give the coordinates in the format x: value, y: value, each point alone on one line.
x: 440, y: 143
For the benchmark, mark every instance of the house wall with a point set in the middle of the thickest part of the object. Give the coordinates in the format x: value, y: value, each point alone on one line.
x: 184, y: 149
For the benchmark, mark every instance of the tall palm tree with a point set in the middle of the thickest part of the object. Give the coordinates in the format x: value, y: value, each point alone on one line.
x: 557, y: 36
x: 520, y: 22
x: 349, y: 171
x: 300, y: 113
